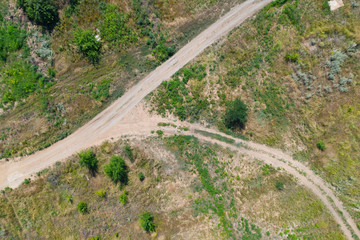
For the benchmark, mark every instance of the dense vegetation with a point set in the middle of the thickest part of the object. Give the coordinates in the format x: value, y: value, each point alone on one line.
x: 41, y: 12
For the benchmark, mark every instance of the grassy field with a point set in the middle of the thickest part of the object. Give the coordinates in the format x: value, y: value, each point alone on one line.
x: 296, y: 66
x: 68, y: 84
x: 193, y: 190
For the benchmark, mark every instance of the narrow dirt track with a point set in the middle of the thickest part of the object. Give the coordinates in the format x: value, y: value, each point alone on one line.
x: 123, y: 118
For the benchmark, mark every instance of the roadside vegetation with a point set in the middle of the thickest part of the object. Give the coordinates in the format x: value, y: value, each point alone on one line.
x: 84, y: 54
x: 191, y: 190
x: 296, y: 68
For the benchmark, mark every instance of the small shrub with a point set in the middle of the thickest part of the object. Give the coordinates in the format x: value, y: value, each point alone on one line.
x: 236, y: 114
x: 101, y: 193
x: 141, y: 176
x: 88, y: 45
x: 279, y: 185
x: 82, y: 207
x: 147, y: 222
x: 292, y: 57
x: 123, y: 197
x: 88, y: 159
x: 321, y: 145
x: 27, y: 180
x: 160, y: 133
x: 117, y: 170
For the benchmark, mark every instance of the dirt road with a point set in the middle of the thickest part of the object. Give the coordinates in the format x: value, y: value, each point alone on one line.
x: 101, y: 127
x: 124, y: 118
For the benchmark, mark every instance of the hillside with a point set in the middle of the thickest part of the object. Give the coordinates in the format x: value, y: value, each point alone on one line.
x: 194, y: 190
x: 90, y: 54
x: 296, y: 68
x: 256, y: 138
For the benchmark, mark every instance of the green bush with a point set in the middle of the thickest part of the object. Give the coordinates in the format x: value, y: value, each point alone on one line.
x: 236, y: 114
x: 27, y: 180
x: 141, y: 176
x: 321, y: 145
x: 101, y: 193
x: 88, y: 45
x: 41, y: 12
x: 12, y: 38
x: 117, y: 170
x: 123, y: 197
x: 279, y: 185
x: 19, y: 80
x: 147, y: 222
x: 82, y: 207
x: 293, y: 14
x: 88, y: 159
x: 292, y: 57
x: 101, y: 91
x: 326, y: 7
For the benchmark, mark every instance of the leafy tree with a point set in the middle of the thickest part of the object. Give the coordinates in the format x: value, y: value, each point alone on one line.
x: 41, y: 12
x: 236, y: 114
x: 88, y: 45
x: 147, y: 222
x: 82, y: 207
x: 117, y: 170
x: 88, y: 159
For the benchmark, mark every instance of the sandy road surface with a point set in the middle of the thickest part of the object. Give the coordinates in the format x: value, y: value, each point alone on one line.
x: 118, y: 120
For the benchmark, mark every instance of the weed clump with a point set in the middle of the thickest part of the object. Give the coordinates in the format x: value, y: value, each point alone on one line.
x: 101, y: 193
x: 124, y: 197
x: 82, y: 207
